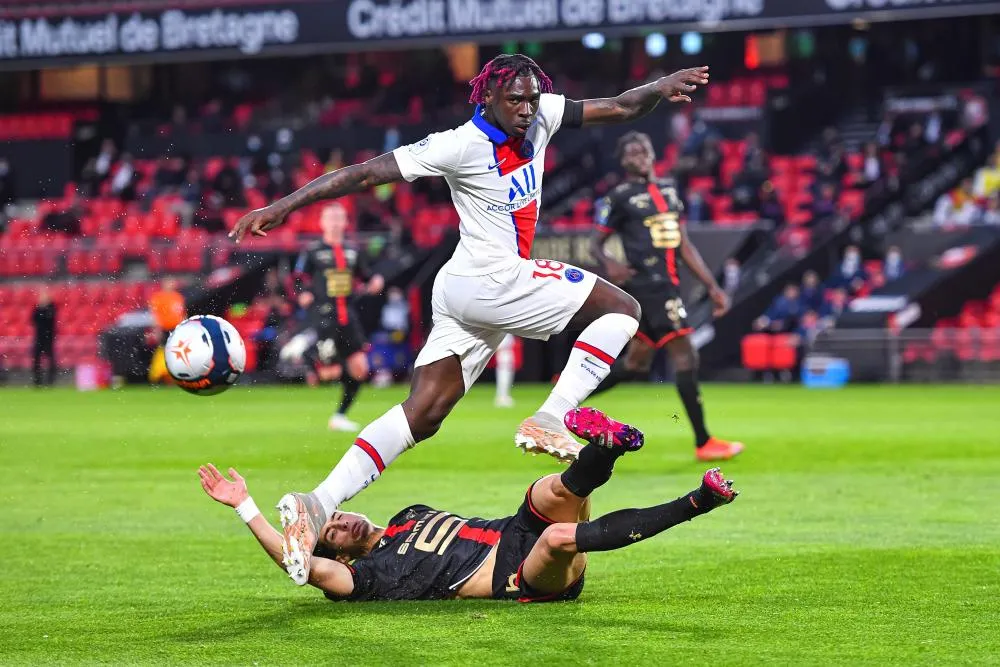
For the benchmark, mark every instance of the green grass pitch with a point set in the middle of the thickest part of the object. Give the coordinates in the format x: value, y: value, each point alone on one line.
x: 867, y: 532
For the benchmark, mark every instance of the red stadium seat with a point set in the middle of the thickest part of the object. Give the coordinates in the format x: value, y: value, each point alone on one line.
x: 756, y: 351
x: 784, y: 352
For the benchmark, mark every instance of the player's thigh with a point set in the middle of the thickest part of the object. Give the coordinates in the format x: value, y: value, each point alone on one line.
x: 552, y: 500
x: 550, y: 567
x: 639, y: 355
x: 472, y: 346
x: 531, y: 298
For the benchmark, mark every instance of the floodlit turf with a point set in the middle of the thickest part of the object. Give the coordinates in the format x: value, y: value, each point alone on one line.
x: 867, y: 532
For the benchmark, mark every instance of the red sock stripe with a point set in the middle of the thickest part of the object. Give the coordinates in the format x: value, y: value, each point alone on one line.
x: 481, y: 535
x: 603, y: 356
x: 372, y: 452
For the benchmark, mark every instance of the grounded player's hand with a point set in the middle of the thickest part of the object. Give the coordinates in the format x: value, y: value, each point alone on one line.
x: 675, y: 87
x: 230, y: 493
x: 720, y: 301
x: 257, y: 223
x: 376, y: 285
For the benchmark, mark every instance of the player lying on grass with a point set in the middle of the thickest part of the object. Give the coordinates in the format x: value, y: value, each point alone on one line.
x: 538, y: 554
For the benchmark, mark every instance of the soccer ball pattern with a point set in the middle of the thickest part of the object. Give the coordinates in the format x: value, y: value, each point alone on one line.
x: 205, y: 355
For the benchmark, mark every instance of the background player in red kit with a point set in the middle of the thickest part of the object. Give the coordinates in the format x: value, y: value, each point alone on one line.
x: 647, y: 215
x: 494, y: 166
x: 538, y: 554
x: 329, y: 269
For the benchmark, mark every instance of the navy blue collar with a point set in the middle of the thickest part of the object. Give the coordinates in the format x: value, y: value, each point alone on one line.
x: 495, y: 134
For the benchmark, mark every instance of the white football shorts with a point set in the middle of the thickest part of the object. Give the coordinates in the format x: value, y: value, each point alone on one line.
x: 531, y: 298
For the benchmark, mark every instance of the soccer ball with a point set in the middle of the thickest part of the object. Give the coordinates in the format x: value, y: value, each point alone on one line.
x: 205, y: 355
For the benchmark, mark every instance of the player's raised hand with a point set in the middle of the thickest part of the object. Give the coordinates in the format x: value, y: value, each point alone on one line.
x: 720, y: 301
x: 230, y: 493
x: 675, y: 87
x: 257, y: 222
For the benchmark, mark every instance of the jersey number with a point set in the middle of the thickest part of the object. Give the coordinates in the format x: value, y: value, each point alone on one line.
x: 338, y: 283
x: 439, y: 533
x: 664, y: 230
x: 549, y: 266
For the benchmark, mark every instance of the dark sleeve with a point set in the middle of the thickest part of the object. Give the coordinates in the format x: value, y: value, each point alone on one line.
x: 303, y: 262
x: 572, y: 114
x: 363, y: 266
x: 364, y: 582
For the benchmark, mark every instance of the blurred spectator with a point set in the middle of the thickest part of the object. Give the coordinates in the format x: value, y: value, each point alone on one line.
x: 124, y: 179
x: 179, y: 118
x: 212, y: 119
x: 227, y: 183
x: 167, y: 307
x: 932, y: 133
x: 169, y: 175
x: 988, y: 177
x: 90, y: 181
x: 335, y: 160
x: 829, y: 144
x: 914, y: 141
x: 65, y: 220
x: 807, y: 329
x: 833, y: 307
x: 826, y: 203
x: 680, y: 127
x: 44, y: 320
x: 710, y: 158
x: 850, y: 275
x: 695, y: 210
x: 6, y: 183
x: 274, y: 297
x: 770, y: 208
x: 747, y: 184
x: 831, y: 167
x: 391, y: 141
x: 105, y: 159
x: 752, y: 152
x: 871, y: 169
x: 395, y: 312
x: 190, y: 194
x: 991, y: 216
x: 783, y: 314
x: 957, y: 207
x: 893, y: 268
x: 975, y: 113
x: 700, y: 132
x: 731, y: 276
x: 812, y: 291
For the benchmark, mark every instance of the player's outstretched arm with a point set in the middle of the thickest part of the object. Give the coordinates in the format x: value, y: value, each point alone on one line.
x: 638, y: 102
x: 692, y: 258
x: 355, y: 178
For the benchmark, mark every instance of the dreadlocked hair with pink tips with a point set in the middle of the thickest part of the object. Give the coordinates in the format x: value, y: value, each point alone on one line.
x: 502, y: 70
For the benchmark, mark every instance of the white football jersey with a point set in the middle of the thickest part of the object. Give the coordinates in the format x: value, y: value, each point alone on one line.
x: 495, y: 181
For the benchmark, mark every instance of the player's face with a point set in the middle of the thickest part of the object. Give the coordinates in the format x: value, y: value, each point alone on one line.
x: 515, y: 107
x: 347, y: 533
x: 333, y: 221
x: 637, y: 157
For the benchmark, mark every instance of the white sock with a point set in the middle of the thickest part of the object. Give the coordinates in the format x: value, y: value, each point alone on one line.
x: 590, y: 362
x: 376, y: 447
x: 505, y: 369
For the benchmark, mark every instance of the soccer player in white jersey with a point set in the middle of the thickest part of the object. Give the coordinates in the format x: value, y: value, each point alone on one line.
x: 493, y: 165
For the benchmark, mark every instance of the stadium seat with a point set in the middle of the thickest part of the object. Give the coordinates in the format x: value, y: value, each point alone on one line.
x: 784, y: 352
x: 755, y: 350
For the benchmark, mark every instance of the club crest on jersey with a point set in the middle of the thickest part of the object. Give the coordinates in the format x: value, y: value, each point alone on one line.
x: 527, y: 149
x: 574, y: 275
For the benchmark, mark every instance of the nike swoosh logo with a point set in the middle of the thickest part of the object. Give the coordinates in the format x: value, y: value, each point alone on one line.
x: 494, y: 166
x: 594, y: 362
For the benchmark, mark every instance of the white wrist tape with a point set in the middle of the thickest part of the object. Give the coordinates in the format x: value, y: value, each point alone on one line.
x: 247, y: 510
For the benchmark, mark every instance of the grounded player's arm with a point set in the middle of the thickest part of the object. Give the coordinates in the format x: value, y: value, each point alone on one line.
x: 692, y: 258
x: 354, y: 178
x: 617, y: 272
x: 638, y: 102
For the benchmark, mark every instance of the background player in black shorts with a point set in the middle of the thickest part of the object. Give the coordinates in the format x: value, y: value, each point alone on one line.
x: 538, y: 554
x: 646, y: 213
x: 328, y: 269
